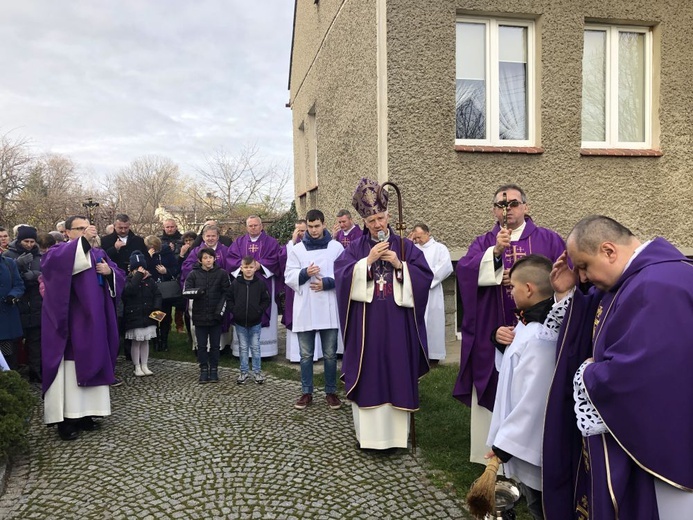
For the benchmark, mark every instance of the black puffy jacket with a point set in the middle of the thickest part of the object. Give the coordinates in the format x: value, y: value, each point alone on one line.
x: 140, y: 298
x: 248, y: 300
x: 30, y: 304
x: 208, y: 290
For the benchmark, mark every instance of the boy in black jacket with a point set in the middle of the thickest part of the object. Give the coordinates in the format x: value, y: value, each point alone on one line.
x: 248, y: 300
x: 207, y: 285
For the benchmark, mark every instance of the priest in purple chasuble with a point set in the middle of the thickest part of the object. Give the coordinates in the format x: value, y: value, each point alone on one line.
x: 210, y: 238
x: 265, y: 250
x: 345, y: 230
x: 487, y: 305
x: 79, y: 338
x: 619, y: 421
x: 382, y: 302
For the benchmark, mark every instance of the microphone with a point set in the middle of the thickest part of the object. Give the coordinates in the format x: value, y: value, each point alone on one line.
x: 381, y: 236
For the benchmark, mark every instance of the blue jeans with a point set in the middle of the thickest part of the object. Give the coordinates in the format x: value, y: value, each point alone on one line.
x: 306, y: 342
x: 213, y: 334
x: 249, y: 337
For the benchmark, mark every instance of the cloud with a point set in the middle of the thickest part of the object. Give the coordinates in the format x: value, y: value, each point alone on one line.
x: 108, y: 81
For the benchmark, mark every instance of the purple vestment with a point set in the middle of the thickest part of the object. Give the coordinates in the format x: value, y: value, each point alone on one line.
x: 385, y: 351
x: 486, y: 308
x: 640, y: 338
x: 191, y: 260
x: 355, y: 233
x: 78, y: 320
x: 264, y: 250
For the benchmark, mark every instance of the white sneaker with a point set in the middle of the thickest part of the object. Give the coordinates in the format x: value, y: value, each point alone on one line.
x: 138, y: 371
x: 146, y: 371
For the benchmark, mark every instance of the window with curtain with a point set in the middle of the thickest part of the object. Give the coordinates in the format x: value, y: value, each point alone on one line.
x: 494, y: 87
x: 616, y: 87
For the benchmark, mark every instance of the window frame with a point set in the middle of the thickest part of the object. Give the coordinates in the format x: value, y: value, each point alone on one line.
x: 492, y: 82
x: 611, y: 88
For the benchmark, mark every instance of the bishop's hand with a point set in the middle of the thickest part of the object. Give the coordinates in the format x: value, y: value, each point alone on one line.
x: 377, y: 252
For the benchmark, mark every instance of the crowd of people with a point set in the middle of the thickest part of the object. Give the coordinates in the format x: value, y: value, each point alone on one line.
x: 71, y: 289
x: 571, y: 358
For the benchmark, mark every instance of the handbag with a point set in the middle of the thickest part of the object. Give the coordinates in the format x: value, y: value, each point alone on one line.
x: 170, y: 290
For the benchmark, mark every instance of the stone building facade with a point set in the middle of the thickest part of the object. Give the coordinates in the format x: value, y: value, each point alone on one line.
x: 389, y: 89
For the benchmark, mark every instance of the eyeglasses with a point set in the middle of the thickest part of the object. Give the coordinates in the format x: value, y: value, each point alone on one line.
x: 81, y: 228
x: 507, y: 204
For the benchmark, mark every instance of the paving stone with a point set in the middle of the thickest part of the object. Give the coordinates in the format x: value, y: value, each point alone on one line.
x: 177, y: 449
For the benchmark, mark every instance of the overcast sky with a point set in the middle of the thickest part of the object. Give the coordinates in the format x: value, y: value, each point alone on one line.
x: 108, y: 81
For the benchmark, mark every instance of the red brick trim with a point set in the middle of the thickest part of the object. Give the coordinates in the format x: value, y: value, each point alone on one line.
x: 620, y: 152
x: 530, y: 150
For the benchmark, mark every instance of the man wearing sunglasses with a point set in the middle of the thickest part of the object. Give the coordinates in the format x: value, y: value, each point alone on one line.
x: 488, y: 317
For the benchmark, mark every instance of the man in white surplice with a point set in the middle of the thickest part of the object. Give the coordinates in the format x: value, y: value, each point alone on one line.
x: 310, y: 273
x: 438, y: 258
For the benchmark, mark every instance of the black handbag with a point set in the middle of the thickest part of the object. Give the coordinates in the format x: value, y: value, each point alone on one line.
x: 170, y: 290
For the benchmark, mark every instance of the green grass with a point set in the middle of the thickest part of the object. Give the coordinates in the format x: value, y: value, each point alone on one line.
x: 442, y: 429
x: 442, y: 424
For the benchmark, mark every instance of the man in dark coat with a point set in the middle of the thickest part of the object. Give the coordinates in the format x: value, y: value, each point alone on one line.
x: 171, y: 237
x: 11, y: 289
x: 26, y: 254
x: 120, y: 244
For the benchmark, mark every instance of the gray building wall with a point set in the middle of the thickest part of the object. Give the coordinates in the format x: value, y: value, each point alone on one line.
x: 334, y: 68
x: 452, y: 190
x: 338, y: 77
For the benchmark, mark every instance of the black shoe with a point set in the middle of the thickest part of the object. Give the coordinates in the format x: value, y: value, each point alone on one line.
x: 88, y: 424
x: 204, y: 376
x: 68, y: 430
x: 213, y: 375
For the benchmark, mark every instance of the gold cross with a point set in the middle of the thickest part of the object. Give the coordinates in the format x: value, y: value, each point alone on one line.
x: 253, y: 248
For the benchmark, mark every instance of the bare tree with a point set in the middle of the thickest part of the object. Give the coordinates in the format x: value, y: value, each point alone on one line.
x: 51, y: 192
x: 15, y: 162
x: 142, y: 187
x: 234, y: 182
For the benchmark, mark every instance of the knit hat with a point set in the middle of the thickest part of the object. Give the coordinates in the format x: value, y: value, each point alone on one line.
x: 366, y: 200
x: 137, y: 259
x: 25, y: 232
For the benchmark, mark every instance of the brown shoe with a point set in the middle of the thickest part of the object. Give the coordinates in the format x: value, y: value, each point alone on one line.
x: 333, y: 401
x: 303, y: 401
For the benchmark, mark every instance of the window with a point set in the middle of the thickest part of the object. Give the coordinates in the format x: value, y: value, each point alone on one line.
x: 494, y: 103
x: 617, y: 87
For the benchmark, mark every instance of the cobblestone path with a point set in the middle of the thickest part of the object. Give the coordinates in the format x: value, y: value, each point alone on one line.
x: 177, y: 449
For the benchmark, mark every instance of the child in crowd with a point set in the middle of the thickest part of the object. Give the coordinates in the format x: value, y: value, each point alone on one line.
x: 207, y: 286
x: 248, y: 300
x: 525, y: 374
x: 141, y: 297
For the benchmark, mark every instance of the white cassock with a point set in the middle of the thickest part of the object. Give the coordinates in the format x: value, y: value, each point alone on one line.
x: 480, y: 419
x: 524, y: 377
x: 438, y: 258
x: 313, y: 310
x: 293, y: 350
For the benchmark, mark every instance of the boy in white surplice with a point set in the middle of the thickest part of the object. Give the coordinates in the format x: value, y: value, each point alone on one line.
x: 525, y: 371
